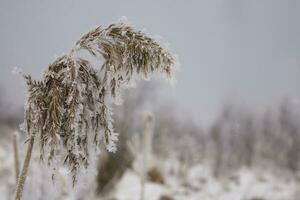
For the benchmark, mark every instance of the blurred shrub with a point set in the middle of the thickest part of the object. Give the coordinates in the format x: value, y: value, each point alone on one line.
x: 155, y: 175
x: 165, y: 197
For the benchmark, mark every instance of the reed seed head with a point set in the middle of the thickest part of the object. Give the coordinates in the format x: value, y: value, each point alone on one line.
x: 70, y: 108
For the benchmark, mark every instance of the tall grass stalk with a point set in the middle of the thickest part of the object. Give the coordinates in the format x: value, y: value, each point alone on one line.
x: 146, y: 149
x: 23, y: 175
x: 16, y: 154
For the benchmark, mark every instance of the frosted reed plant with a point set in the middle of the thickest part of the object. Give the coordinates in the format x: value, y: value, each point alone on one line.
x: 68, y: 113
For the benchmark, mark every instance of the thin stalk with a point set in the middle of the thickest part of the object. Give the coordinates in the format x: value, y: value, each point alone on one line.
x: 16, y: 155
x: 23, y: 175
x: 146, y: 149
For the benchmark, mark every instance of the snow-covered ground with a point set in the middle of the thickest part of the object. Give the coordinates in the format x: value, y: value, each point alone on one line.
x: 200, y: 185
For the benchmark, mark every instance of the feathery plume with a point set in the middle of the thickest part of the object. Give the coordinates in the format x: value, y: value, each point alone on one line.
x: 69, y: 110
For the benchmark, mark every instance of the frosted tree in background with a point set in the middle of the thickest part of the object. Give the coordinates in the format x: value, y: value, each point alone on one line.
x: 69, y: 110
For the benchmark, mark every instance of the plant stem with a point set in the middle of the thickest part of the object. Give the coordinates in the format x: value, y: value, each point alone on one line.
x: 23, y: 175
x: 16, y: 155
x: 146, y: 150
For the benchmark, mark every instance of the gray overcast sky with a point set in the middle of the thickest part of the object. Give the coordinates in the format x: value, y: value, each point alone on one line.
x: 249, y: 49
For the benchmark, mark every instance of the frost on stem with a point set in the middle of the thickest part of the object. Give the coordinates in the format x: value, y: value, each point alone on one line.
x: 70, y: 108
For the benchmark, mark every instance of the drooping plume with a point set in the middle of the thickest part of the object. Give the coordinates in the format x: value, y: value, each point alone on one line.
x: 70, y: 108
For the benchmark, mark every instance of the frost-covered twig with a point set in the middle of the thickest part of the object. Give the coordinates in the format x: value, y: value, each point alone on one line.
x: 69, y: 110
